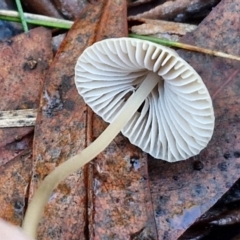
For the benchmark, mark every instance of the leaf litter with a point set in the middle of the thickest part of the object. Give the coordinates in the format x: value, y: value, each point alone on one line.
x: 181, y: 192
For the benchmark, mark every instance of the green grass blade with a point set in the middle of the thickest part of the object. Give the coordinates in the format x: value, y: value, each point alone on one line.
x: 36, y: 19
x: 21, y: 14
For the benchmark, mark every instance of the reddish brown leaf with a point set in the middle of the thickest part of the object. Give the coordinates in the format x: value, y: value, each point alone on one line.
x: 183, y: 191
x: 15, y: 178
x: 118, y: 195
x: 119, y: 207
x: 23, y: 61
x: 20, y: 88
x: 120, y: 199
x: 61, y: 132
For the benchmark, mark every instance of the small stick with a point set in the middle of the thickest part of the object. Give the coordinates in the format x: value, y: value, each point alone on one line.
x: 185, y: 46
x: 18, y: 118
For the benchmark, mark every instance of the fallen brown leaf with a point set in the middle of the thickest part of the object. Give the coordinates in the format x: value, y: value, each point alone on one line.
x: 20, y: 88
x: 21, y: 81
x: 183, y: 191
x: 17, y: 56
x: 14, y: 181
x: 86, y: 205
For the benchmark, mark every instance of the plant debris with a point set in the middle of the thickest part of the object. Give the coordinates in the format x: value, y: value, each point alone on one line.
x: 20, y: 89
x: 119, y: 198
x: 150, y: 27
x: 179, y: 203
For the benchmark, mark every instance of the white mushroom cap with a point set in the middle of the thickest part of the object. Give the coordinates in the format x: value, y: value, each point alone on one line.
x: 177, y: 119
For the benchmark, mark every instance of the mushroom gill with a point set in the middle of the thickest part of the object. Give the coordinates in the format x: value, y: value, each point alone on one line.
x: 176, y: 121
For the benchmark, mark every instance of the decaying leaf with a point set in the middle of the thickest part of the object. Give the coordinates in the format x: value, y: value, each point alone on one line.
x: 14, y: 185
x: 182, y: 192
x: 107, y: 199
x: 23, y: 60
x: 20, y: 83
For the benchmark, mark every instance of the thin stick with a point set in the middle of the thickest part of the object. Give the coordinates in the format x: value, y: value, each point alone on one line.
x: 36, y: 19
x: 21, y: 14
x: 18, y: 118
x: 185, y: 46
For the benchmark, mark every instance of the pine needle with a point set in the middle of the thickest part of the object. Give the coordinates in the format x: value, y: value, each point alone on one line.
x: 185, y: 46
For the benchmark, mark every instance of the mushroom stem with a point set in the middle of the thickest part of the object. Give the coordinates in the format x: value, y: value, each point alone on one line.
x: 35, y: 209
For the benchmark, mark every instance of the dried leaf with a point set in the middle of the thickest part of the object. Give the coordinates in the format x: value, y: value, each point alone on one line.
x: 20, y: 88
x: 182, y: 192
x: 120, y: 196
x: 23, y: 60
x: 120, y: 207
x: 14, y: 181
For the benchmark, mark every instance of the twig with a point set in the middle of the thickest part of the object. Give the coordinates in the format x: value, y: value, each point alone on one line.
x: 35, y: 19
x: 21, y: 14
x: 18, y: 118
x: 185, y: 46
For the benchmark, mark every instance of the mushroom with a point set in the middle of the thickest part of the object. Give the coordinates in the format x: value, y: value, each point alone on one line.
x: 169, y: 113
